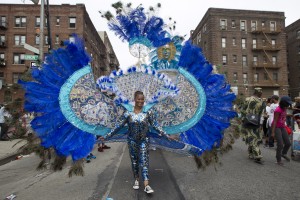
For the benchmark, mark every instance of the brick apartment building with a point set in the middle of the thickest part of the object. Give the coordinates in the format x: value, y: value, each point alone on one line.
x: 110, y: 60
x: 293, y: 57
x: 19, y: 24
x: 248, y: 46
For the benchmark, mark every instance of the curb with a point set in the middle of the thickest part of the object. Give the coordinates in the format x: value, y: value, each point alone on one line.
x: 8, y: 158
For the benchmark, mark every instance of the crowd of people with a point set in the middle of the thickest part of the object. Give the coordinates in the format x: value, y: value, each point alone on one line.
x: 268, y: 121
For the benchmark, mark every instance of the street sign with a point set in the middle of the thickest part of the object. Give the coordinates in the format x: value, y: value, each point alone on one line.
x: 31, y: 48
x: 31, y: 57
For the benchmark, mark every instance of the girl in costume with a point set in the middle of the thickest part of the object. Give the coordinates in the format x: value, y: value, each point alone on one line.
x: 138, y: 140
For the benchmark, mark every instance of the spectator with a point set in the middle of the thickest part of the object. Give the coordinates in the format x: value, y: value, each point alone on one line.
x: 279, y: 131
x: 296, y: 111
x: 4, y: 128
x: 273, y: 106
x: 253, y: 106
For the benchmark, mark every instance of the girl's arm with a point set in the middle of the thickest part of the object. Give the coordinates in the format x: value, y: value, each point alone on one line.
x: 275, y: 120
x: 119, y: 126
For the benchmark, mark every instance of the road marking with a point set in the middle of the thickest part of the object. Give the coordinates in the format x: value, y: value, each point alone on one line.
x: 114, y: 176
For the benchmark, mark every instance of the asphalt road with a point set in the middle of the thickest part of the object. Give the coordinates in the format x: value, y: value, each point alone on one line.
x: 172, y: 177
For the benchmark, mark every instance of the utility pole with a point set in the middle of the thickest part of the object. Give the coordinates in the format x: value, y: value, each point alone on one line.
x: 42, y: 31
x: 48, y: 27
x: 41, y: 34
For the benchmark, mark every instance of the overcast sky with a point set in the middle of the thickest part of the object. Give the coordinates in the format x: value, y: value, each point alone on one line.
x: 186, y: 13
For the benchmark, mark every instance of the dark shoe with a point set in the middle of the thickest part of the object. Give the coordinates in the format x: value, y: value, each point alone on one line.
x: 280, y: 163
x: 88, y: 159
x: 105, y: 147
x: 286, y: 158
x: 92, y: 156
x: 100, y: 149
x: 258, y: 160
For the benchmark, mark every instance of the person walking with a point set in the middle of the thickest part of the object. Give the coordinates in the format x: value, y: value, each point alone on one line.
x: 279, y: 131
x: 251, y: 115
x: 3, y: 133
x: 139, y: 123
x: 273, y: 106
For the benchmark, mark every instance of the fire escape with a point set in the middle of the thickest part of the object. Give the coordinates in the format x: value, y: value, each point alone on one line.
x: 265, y: 48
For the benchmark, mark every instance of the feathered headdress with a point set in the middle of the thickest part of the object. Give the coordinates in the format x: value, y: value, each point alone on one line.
x: 142, y: 30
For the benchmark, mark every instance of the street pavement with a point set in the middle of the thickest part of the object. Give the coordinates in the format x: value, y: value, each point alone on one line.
x: 172, y: 177
x: 10, y: 149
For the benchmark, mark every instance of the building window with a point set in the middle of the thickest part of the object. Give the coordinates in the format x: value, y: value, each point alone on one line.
x: 243, y: 25
x: 20, y: 39
x: 263, y: 24
x: 72, y: 22
x: 235, y: 76
x: 266, y: 76
x: 2, y: 40
x: 253, y: 25
x: 56, y: 39
x: 298, y: 34
x: 204, y: 28
x: 243, y: 43
x: 254, y: 42
x: 245, y: 78
x: 265, y: 59
x: 224, y: 59
x: 233, y: 41
x: 275, y: 76
x: 19, y: 58
x: 46, y: 40
x: 3, y: 21
x: 223, y: 24
x: 223, y: 42
x: 264, y: 42
x: 16, y: 77
x: 37, y: 21
x: 57, y: 21
x: 274, y: 60
x: 244, y: 61
x: 254, y: 60
x: 20, y: 21
x: 233, y: 24
x: 199, y: 37
x: 46, y: 22
x: 272, y: 26
x: 273, y: 43
x: 37, y: 39
x: 255, y: 77
x: 234, y: 58
x: 2, y: 60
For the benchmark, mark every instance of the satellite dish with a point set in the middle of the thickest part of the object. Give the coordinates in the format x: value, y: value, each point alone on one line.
x: 36, y: 2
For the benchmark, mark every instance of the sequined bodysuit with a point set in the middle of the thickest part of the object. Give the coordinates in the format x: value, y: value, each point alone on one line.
x: 138, y: 141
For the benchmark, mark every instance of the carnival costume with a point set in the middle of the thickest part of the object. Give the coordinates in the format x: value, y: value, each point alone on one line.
x: 182, y: 94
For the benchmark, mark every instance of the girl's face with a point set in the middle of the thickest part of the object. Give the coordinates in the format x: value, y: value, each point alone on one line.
x: 139, y: 100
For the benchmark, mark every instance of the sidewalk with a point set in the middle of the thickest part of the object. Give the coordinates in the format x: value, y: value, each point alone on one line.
x: 8, y: 151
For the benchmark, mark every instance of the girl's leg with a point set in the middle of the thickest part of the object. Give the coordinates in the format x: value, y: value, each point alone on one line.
x: 144, y: 160
x: 134, y: 156
x: 278, y: 136
x: 286, y: 141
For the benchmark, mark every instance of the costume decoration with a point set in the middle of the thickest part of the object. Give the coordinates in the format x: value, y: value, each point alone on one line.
x: 182, y: 94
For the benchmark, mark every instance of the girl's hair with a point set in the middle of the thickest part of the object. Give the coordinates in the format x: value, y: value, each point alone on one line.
x: 283, y: 104
x: 138, y: 93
